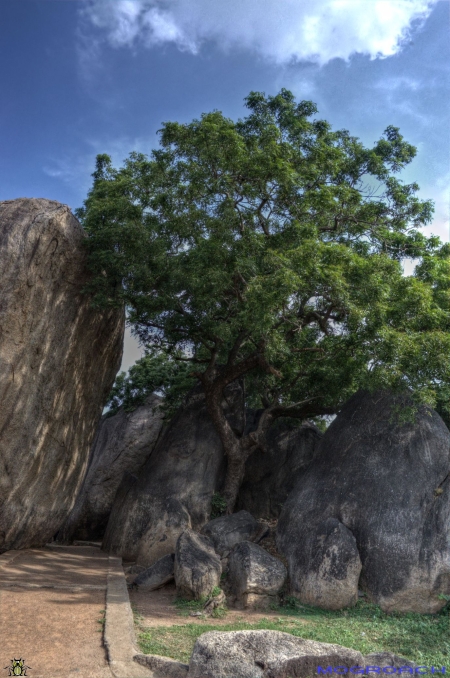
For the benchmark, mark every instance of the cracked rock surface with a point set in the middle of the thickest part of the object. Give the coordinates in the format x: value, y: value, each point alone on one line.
x: 264, y: 654
x: 58, y: 361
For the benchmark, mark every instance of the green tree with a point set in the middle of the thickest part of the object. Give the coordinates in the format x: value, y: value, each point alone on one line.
x: 156, y: 372
x: 270, y: 249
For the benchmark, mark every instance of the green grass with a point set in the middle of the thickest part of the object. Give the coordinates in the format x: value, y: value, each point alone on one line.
x: 422, y: 638
x: 101, y: 621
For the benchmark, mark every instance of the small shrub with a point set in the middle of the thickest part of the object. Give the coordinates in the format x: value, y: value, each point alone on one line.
x: 101, y: 621
x: 218, y: 505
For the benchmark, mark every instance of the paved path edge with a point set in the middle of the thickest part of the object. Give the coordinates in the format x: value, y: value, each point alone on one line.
x: 119, y: 637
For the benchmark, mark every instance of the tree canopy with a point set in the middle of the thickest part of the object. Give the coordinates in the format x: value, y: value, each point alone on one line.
x: 271, y: 249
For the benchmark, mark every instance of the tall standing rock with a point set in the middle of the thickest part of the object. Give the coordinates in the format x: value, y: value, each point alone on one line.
x: 121, y: 445
x: 58, y: 360
x: 174, y: 488
x: 377, y: 494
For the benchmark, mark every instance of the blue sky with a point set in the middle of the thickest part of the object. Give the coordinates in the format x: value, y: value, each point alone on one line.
x: 81, y: 77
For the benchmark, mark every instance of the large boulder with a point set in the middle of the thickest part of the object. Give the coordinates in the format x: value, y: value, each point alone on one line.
x: 379, y: 485
x: 266, y: 654
x: 167, y: 520
x: 271, y: 474
x: 187, y: 465
x: 227, y: 531
x: 122, y: 444
x: 255, y: 576
x: 197, y: 566
x: 385, y: 659
x: 58, y: 360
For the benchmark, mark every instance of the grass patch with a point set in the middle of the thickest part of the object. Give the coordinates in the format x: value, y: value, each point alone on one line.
x: 185, y: 607
x: 422, y: 638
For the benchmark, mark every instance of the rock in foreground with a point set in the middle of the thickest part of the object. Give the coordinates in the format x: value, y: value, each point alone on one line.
x: 384, y: 485
x: 265, y: 654
x: 58, y: 360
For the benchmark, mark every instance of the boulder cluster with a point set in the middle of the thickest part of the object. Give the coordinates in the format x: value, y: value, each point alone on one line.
x: 361, y: 509
x: 368, y: 512
x: 225, y: 545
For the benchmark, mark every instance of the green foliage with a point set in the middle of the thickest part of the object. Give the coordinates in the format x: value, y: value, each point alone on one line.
x: 273, y: 246
x: 218, y: 505
x: 321, y: 423
x: 421, y: 638
x: 102, y: 620
x: 155, y: 372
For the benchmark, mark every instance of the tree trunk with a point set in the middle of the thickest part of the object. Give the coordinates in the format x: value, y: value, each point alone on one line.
x: 235, y: 449
x: 234, y: 478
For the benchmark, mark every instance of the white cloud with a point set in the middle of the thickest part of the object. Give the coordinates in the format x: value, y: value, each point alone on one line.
x: 282, y: 31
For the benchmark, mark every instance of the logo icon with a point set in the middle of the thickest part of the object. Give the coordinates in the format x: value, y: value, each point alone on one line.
x: 17, y: 667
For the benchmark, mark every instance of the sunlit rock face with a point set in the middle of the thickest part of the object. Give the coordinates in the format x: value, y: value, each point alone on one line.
x: 58, y: 360
x: 373, y: 510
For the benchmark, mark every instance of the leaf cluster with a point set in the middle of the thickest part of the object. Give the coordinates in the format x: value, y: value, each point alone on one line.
x: 274, y: 245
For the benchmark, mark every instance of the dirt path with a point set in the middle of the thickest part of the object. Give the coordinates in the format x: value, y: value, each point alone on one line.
x: 51, y: 603
x: 157, y: 609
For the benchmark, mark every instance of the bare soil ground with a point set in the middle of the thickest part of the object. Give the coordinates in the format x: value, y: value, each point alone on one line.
x: 157, y: 609
x: 51, y: 603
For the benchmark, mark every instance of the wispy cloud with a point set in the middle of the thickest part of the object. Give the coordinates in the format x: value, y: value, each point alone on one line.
x: 395, y: 83
x: 282, y: 31
x: 77, y: 166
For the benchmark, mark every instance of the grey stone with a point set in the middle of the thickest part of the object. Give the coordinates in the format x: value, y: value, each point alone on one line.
x: 252, y: 573
x: 134, y: 569
x: 272, y: 473
x: 187, y: 464
x: 382, y: 659
x: 387, y: 482
x: 123, y: 443
x: 154, y: 577
x: 58, y: 360
x: 227, y: 531
x: 167, y: 520
x: 264, y: 654
x: 197, y: 566
x: 335, y: 566
x: 162, y: 667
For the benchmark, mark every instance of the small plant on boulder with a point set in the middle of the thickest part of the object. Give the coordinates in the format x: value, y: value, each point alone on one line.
x: 218, y: 505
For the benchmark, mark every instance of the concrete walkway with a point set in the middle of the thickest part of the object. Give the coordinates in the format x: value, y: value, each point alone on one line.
x: 52, y: 614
